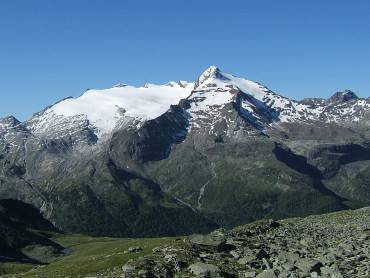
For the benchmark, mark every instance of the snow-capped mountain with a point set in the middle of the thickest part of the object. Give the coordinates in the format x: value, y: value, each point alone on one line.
x: 222, y: 150
x: 97, y: 113
x: 214, y: 89
x: 8, y: 122
x: 102, y: 111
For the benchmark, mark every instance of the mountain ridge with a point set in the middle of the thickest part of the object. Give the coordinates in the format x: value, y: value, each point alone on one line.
x: 213, y: 73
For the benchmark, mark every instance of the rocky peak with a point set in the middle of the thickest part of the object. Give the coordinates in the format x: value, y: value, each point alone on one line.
x: 183, y: 83
x: 120, y: 85
x: 343, y: 96
x: 180, y: 83
x: 171, y: 84
x: 210, y: 73
x: 9, y: 121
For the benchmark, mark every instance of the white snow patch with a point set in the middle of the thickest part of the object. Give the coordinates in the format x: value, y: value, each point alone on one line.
x: 104, y: 108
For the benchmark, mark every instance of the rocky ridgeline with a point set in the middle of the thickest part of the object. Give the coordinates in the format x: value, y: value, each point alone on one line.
x: 330, y: 245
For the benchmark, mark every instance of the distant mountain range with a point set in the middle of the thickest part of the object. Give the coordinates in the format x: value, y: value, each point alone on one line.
x: 187, y: 157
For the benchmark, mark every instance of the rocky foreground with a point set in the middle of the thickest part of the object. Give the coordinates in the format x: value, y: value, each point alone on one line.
x: 330, y: 245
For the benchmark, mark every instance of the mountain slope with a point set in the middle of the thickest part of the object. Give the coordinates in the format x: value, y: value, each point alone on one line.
x: 19, y: 240
x: 329, y: 245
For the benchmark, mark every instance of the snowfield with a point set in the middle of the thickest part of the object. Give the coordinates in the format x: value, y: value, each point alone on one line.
x: 104, y: 108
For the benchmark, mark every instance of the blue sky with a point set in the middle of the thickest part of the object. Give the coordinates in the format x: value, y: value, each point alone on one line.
x: 53, y: 49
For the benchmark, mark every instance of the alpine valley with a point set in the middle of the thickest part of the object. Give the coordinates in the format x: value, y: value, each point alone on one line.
x: 183, y: 157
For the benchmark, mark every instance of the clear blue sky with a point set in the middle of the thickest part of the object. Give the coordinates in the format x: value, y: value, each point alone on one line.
x: 53, y: 49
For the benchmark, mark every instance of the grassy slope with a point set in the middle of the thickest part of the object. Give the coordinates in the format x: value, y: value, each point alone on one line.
x: 90, y: 256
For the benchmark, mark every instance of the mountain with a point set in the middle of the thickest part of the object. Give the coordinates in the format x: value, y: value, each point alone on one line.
x: 186, y: 157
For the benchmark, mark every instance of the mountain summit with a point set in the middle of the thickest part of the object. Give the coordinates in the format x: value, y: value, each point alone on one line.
x: 344, y: 96
x: 210, y: 73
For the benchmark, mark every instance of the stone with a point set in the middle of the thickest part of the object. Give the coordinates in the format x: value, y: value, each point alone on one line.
x: 266, y: 263
x: 288, y: 257
x: 235, y: 254
x: 304, y: 242
x: 144, y: 274
x: 204, y: 270
x: 248, y: 274
x: 364, y: 237
x: 308, y: 265
x: 157, y: 249
x: 128, y: 267
x: 328, y: 258
x: 331, y: 272
x: 267, y: 274
x: 288, y: 266
x: 261, y: 254
x: 135, y: 249
x: 245, y: 260
x: 209, y: 243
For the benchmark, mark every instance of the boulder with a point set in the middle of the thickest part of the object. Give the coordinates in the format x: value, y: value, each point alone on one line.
x: 332, y: 272
x: 246, y: 259
x: 267, y: 274
x: 204, y: 270
x: 307, y: 265
x: 135, y: 249
x: 208, y: 243
x: 249, y: 274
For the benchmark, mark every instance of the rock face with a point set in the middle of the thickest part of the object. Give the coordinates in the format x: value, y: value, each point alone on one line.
x: 183, y: 158
x: 331, y: 245
x: 347, y: 95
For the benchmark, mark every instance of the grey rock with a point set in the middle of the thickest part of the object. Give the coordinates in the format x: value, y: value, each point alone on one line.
x: 246, y: 260
x: 291, y: 257
x: 128, y: 267
x: 248, y: 274
x: 135, y: 249
x: 330, y: 272
x: 204, y: 270
x: 308, y: 265
x: 266, y: 263
x: 364, y: 237
x: 235, y: 254
x: 267, y: 274
x: 208, y: 243
x: 144, y: 274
